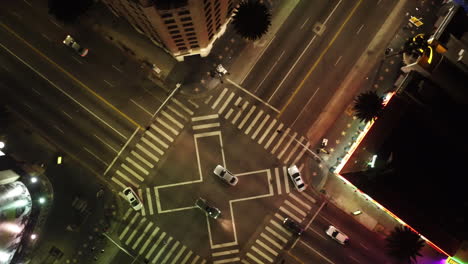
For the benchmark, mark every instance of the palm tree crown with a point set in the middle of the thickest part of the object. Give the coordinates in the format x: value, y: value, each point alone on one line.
x: 251, y: 19
x: 404, y: 244
x: 368, y: 106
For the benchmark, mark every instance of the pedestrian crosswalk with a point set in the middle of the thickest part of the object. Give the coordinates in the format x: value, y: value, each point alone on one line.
x: 260, y: 125
x: 145, y: 239
x: 151, y: 147
x: 273, y: 239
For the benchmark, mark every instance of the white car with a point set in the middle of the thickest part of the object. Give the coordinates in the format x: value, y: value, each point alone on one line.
x: 337, y: 235
x: 295, y: 176
x: 70, y: 42
x: 225, y: 175
x: 132, y: 198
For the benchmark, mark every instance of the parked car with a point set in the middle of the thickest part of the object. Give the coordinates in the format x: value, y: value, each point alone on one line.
x: 132, y: 198
x: 337, y: 235
x: 292, y: 226
x: 208, y: 209
x: 225, y: 175
x: 70, y: 42
x: 296, y: 177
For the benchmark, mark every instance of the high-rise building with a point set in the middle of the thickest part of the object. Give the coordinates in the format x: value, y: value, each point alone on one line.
x: 182, y: 27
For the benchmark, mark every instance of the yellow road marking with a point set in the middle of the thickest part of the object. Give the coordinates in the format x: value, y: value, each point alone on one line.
x: 294, y: 257
x: 71, y: 76
x: 319, y: 59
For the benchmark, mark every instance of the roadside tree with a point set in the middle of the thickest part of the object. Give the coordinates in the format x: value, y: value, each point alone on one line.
x: 251, y: 19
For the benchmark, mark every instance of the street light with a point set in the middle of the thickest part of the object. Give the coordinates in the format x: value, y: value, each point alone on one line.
x: 2, y: 144
x: 33, y: 179
x: 42, y: 200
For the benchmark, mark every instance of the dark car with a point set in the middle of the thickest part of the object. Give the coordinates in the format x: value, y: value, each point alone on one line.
x: 205, y: 207
x: 292, y: 226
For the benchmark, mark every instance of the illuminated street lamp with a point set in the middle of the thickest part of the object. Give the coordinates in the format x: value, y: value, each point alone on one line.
x: 42, y: 200
x: 33, y: 179
x: 33, y: 236
x: 2, y: 144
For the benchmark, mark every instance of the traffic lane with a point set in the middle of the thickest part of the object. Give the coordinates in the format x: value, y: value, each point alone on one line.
x: 70, y: 64
x: 96, y: 106
x: 76, y: 118
x: 292, y: 36
x: 339, y: 60
x: 313, y: 57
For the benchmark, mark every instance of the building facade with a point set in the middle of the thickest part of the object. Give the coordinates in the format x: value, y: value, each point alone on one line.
x: 182, y: 27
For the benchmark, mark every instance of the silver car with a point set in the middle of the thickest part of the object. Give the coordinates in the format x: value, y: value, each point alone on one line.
x: 132, y: 198
x: 70, y: 42
x: 295, y: 176
x: 225, y: 175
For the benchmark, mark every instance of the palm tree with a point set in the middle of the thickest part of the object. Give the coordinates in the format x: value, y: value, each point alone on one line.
x: 404, y: 245
x: 251, y: 19
x: 368, y: 106
x: 68, y: 11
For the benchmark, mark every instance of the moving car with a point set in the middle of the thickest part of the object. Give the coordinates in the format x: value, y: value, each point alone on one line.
x: 295, y: 176
x: 292, y: 226
x: 70, y: 42
x: 337, y: 235
x: 205, y: 207
x: 225, y: 175
x: 132, y: 198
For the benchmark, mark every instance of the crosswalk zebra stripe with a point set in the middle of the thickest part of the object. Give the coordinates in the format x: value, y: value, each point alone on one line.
x: 280, y: 227
x: 177, y: 123
x: 142, y: 235
x: 308, y: 197
x: 283, y: 136
x: 187, y: 257
x: 155, y: 245
x: 151, y: 145
x: 302, y: 153
x: 273, y: 242
x: 226, y: 103
x: 143, y: 210
x: 286, y: 179
x: 278, y: 236
x: 127, y: 179
x: 254, y: 258
x: 239, y: 99
x: 193, y: 103
x: 190, y: 112
x: 132, y: 235
x: 148, y: 240
x: 227, y: 252
x: 260, y: 127
x: 273, y: 122
x: 140, y: 147
x: 136, y: 175
x: 155, y: 138
x: 280, y: 217
x: 174, y: 261
x: 150, y: 203
x: 254, y: 121
x: 167, y: 126
x: 229, y: 113
x: 293, y: 150
x: 171, y: 251
x: 195, y: 259
x: 278, y: 183
x: 245, y: 261
x: 205, y: 126
x: 129, y: 211
x: 173, y: 110
x: 300, y: 201
x: 269, y: 249
x: 287, y: 145
x: 219, y: 98
x: 265, y: 256
x: 203, y: 261
x: 244, y: 106
x: 291, y: 215
x: 140, y: 158
x: 128, y: 226
x: 273, y: 135
x: 252, y: 109
x: 118, y: 182
x: 295, y: 208
x: 231, y: 260
x: 136, y: 165
x: 205, y: 117
x: 207, y: 101
x: 162, y: 132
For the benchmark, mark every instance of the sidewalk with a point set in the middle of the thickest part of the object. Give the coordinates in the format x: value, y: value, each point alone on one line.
x: 379, y: 74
